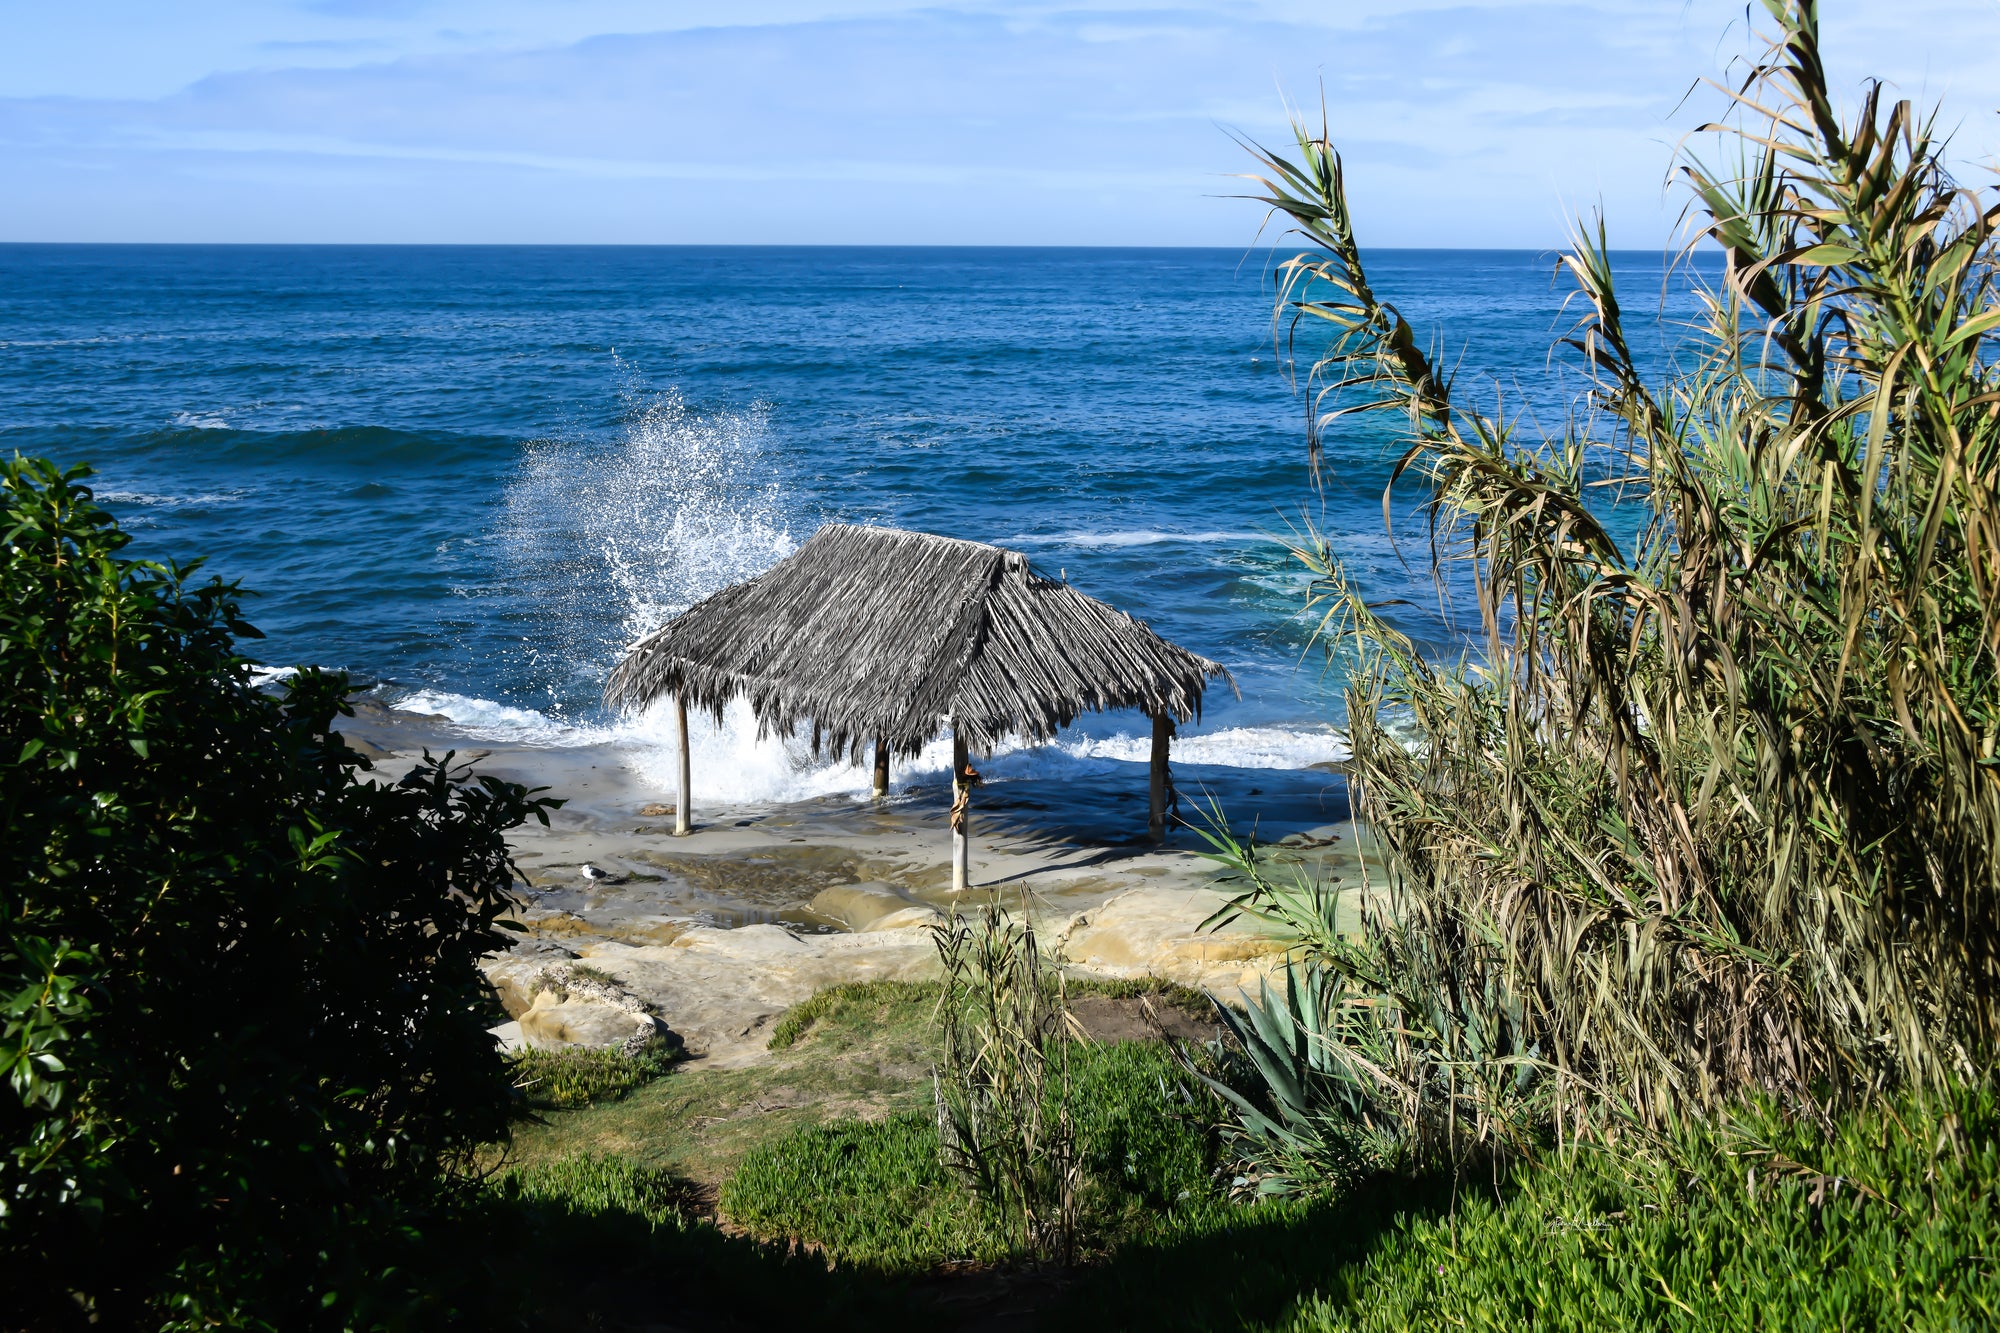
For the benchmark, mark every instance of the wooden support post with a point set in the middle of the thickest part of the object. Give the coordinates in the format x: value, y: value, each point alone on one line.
x: 683, y: 822
x: 881, y: 767
x: 961, y: 814
x: 1163, y: 729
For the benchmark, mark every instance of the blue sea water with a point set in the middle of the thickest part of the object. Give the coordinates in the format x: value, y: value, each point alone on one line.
x: 471, y: 475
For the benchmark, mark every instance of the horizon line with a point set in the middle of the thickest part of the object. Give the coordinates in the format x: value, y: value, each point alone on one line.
x: 785, y: 245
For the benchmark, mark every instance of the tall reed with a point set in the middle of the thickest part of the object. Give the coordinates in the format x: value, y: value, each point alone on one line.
x: 1002, y: 1081
x: 1722, y: 801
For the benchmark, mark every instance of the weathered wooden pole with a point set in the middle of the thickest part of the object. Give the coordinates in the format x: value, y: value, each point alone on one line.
x: 1163, y: 730
x: 881, y: 767
x: 961, y: 813
x: 683, y: 823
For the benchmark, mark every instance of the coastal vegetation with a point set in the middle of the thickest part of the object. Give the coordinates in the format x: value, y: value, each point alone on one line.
x: 1883, y: 1220
x: 1690, y: 888
x: 562, y: 1080
x: 1711, y: 813
x: 1006, y: 1121
x: 1760, y: 1219
x: 241, y: 1013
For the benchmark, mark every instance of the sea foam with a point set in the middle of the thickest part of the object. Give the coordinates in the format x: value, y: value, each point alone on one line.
x: 733, y: 764
x: 1134, y: 537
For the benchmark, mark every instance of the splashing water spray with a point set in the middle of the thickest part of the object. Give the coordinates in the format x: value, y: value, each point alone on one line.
x: 617, y: 535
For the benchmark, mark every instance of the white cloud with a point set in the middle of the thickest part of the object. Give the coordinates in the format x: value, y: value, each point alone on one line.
x: 1464, y: 124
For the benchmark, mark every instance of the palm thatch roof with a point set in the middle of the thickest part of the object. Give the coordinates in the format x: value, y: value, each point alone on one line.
x: 868, y: 632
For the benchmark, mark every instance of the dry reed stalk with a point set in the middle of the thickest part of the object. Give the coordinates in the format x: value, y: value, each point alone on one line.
x: 1002, y: 1082
x: 1725, y: 803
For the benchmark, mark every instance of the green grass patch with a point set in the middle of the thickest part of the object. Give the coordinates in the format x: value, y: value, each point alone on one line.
x: 563, y: 1080
x: 594, y: 1186
x: 859, y: 1000
x: 869, y: 1193
x: 595, y: 1242
x: 1144, y: 1134
x: 874, y: 1194
x: 830, y: 1140
x: 1593, y: 1239
x: 853, y: 1001
x: 865, y: 1056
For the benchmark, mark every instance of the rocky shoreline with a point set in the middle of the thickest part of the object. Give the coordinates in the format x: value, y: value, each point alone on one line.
x: 633, y: 935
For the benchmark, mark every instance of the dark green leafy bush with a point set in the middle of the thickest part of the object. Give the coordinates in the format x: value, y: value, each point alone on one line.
x: 243, y: 1018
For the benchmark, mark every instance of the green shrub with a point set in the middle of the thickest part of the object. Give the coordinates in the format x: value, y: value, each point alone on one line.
x: 1708, y: 808
x: 1380, y: 1050
x: 869, y: 1193
x: 1759, y: 1224
x: 1145, y: 1139
x: 1002, y: 1078
x: 244, y: 1023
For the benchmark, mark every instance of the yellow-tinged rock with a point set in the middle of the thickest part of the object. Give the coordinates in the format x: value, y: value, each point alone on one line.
x: 1156, y: 932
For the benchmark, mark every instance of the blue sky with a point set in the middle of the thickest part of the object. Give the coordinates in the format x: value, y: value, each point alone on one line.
x: 1476, y: 122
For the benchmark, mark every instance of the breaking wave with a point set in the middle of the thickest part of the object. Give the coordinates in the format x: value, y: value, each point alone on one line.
x: 733, y: 765
x: 1135, y: 537
x: 616, y: 535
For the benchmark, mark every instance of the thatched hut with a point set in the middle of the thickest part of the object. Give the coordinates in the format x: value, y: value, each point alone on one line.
x: 876, y: 637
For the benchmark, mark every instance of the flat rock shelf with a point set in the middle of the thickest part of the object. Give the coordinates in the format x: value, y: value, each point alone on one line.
x: 708, y: 939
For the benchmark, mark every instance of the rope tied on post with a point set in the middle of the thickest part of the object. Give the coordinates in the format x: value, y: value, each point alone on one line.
x: 962, y: 783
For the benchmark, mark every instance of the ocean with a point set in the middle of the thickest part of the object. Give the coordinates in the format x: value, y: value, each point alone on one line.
x: 471, y: 475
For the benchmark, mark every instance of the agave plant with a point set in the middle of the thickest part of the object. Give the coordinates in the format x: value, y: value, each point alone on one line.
x: 1716, y: 806
x: 1301, y: 1117
x: 1379, y: 1051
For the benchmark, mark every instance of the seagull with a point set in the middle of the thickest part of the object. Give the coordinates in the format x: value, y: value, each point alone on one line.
x: 596, y: 876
